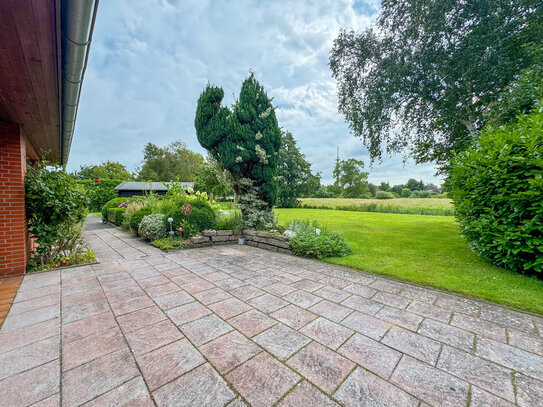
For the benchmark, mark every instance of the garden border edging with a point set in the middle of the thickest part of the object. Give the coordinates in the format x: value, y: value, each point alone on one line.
x: 263, y: 240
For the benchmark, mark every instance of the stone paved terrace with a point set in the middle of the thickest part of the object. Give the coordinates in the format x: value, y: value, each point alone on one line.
x: 237, y: 326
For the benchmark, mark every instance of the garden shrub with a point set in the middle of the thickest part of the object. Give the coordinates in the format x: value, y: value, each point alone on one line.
x: 406, y: 193
x: 100, y: 192
x: 192, y: 219
x: 55, y: 210
x: 135, y: 219
x: 497, y: 189
x: 113, y: 203
x: 384, y: 195
x: 313, y: 241
x: 116, y: 215
x: 152, y: 227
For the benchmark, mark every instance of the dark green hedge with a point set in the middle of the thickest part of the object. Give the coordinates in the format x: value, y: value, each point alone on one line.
x: 99, y: 192
x: 136, y: 218
x: 116, y: 215
x: 497, y: 188
x: 114, y: 203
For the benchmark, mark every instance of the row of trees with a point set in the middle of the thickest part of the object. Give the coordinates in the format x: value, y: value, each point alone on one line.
x: 295, y: 179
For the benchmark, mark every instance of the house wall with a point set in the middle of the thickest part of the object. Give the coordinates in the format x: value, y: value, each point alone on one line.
x: 13, y: 231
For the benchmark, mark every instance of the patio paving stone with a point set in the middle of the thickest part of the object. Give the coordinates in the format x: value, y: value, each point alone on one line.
x: 371, y: 354
x: 29, y: 356
x: 139, y: 319
x: 88, y: 326
x: 132, y: 393
x: 363, y: 388
x: 294, y: 316
x: 165, y: 364
x: 430, y: 384
x: 330, y: 310
x: 326, y: 332
x: 205, y: 329
x: 486, y: 375
x: 281, y: 341
x: 321, y: 366
x: 200, y: 387
x: 21, y: 389
x: 229, y: 308
x: 229, y: 351
x: 262, y: 380
x: 173, y: 300
x: 251, y: 322
x: 529, y: 391
x: 153, y: 336
x: 410, y: 343
x: 481, y: 398
x: 267, y: 303
x: 305, y: 394
x: 95, y: 378
x: 91, y: 347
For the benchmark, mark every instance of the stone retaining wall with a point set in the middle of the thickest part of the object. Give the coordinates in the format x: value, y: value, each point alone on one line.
x: 264, y: 240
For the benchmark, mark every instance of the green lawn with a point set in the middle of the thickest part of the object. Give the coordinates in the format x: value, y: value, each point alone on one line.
x: 426, y: 250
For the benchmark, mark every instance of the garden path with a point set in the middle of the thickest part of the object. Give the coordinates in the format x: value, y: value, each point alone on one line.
x: 236, y: 326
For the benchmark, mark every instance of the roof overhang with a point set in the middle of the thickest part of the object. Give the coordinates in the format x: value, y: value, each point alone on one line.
x: 44, y: 48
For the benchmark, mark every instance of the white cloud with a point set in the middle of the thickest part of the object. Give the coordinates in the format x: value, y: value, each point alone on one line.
x: 151, y: 59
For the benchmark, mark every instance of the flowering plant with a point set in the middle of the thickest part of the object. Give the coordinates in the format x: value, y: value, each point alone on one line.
x: 123, y: 205
x: 186, y: 209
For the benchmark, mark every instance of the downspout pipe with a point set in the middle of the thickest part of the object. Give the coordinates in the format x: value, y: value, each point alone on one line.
x: 77, y: 25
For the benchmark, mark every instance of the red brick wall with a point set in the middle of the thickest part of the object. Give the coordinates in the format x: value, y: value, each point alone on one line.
x: 13, y: 235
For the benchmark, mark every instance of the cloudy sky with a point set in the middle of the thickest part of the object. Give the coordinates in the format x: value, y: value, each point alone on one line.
x: 150, y: 60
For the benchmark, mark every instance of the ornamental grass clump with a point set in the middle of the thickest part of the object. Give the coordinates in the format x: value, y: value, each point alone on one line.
x: 311, y: 240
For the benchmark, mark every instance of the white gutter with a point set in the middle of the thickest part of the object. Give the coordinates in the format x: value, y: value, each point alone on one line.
x: 77, y: 24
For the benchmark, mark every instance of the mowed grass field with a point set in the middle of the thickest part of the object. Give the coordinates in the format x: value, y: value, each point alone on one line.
x: 425, y: 250
x: 430, y: 203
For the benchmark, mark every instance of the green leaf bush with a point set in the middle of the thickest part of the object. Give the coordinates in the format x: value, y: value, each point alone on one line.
x: 135, y: 219
x: 55, y: 210
x: 313, y: 241
x: 100, y: 192
x: 152, y: 227
x: 116, y: 215
x: 113, y: 203
x: 497, y: 189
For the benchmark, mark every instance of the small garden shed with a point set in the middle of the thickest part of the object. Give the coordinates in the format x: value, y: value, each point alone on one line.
x: 130, y: 188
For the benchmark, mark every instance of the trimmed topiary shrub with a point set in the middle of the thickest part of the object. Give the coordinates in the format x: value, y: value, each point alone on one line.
x: 384, y: 195
x: 136, y: 218
x: 114, y: 203
x: 497, y: 189
x: 116, y: 215
x: 152, y: 227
